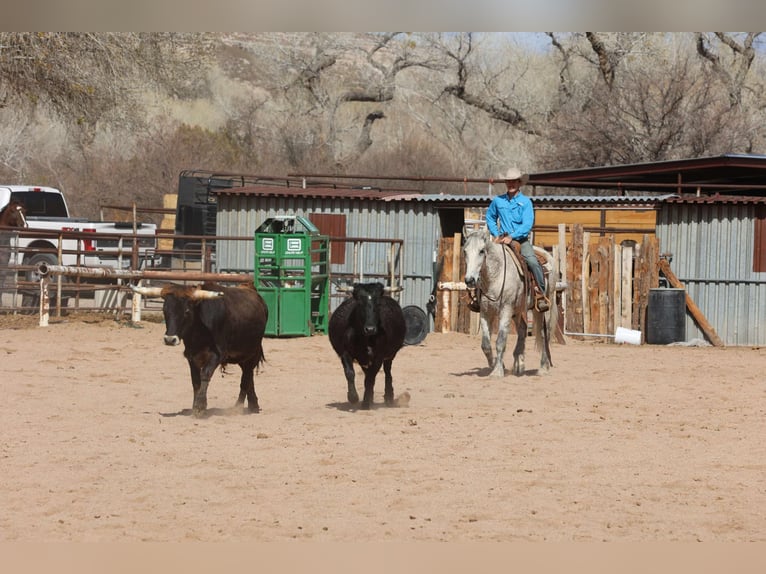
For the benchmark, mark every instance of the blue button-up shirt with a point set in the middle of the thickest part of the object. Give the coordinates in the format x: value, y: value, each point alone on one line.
x: 512, y: 215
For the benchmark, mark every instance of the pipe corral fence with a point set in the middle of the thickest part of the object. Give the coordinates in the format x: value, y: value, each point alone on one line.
x: 52, y: 289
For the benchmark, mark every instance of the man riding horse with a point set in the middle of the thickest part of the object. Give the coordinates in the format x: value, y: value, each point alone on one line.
x: 510, y: 218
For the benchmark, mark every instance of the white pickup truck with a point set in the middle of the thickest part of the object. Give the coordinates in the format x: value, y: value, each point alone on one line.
x: 52, y: 231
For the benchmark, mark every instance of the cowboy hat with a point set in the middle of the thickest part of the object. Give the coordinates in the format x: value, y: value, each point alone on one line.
x: 512, y: 174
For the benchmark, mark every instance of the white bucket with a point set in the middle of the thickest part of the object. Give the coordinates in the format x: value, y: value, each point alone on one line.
x: 623, y: 335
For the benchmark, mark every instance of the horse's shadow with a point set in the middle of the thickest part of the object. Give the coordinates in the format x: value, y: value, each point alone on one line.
x: 484, y: 372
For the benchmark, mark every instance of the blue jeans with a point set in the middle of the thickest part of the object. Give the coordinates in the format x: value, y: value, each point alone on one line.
x: 534, y: 265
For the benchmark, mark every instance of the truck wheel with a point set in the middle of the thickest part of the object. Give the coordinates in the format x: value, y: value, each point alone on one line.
x: 31, y: 298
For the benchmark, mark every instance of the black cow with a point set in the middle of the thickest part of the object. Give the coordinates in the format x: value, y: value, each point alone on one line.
x: 368, y: 328
x: 218, y: 325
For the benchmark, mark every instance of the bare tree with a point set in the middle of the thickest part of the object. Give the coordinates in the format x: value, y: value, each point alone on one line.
x: 732, y: 67
x: 648, y: 114
x: 459, y: 51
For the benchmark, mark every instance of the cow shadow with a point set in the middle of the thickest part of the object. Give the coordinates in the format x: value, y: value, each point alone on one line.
x: 347, y: 407
x: 211, y: 412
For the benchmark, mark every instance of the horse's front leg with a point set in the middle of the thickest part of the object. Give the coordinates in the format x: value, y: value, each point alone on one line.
x: 518, y: 351
x: 503, y: 325
x: 486, y: 342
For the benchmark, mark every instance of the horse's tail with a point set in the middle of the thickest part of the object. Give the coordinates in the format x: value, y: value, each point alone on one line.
x: 542, y: 340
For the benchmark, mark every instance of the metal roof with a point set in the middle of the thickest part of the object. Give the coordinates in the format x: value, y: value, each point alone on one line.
x: 455, y: 200
x: 718, y: 199
x: 723, y: 174
x: 365, y: 193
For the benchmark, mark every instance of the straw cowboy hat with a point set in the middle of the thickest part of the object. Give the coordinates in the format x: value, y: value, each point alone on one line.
x: 513, y: 174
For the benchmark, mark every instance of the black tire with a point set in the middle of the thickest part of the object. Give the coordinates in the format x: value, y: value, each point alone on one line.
x: 417, y: 324
x: 31, y: 298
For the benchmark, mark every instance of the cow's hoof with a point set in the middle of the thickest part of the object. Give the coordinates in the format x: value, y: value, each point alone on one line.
x: 199, y: 413
x: 353, y: 398
x: 254, y: 408
x: 365, y: 406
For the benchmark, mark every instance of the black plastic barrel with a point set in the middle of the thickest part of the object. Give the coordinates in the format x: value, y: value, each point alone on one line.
x: 666, y: 316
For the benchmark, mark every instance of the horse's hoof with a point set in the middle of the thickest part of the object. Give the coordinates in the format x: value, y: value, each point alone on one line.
x: 353, y: 398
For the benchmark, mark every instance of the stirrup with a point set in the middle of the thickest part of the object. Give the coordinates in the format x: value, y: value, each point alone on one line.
x: 542, y: 304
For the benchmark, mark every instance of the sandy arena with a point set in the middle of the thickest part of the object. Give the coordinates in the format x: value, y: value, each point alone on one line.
x: 617, y: 443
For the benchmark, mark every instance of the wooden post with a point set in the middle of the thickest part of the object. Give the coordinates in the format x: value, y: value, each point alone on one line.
x: 574, y: 320
x: 455, y: 297
x: 625, y: 259
x: 446, y: 275
x: 585, y: 282
x: 606, y: 281
x: 561, y: 320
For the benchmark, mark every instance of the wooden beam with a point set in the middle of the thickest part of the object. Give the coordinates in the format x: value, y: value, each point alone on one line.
x: 695, y: 311
x: 455, y: 297
x: 574, y: 279
x: 625, y: 259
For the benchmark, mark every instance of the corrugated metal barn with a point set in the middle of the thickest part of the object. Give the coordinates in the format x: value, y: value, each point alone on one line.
x: 415, y: 221
x: 713, y: 230
x: 710, y: 216
x: 713, y: 244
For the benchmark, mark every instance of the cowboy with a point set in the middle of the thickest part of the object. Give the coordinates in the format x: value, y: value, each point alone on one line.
x: 510, y: 217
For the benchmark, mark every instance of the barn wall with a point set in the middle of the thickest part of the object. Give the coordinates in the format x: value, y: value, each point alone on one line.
x: 636, y: 222
x: 712, y: 255
x: 417, y: 223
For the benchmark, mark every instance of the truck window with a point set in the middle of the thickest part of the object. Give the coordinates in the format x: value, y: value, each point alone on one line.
x: 41, y: 203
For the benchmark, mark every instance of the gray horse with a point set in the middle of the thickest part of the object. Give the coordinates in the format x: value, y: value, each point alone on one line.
x: 490, y: 266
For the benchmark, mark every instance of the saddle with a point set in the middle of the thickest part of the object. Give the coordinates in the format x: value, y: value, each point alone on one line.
x: 540, y: 302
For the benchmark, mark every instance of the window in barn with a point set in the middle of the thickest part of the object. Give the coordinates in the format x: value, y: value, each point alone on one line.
x: 333, y: 225
x: 759, y: 245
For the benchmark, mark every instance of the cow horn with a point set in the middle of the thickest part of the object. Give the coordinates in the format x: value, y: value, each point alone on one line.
x: 147, y: 291
x: 205, y: 294
x: 392, y: 289
x: 345, y: 289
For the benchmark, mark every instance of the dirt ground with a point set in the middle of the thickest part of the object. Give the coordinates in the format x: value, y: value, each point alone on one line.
x: 617, y: 443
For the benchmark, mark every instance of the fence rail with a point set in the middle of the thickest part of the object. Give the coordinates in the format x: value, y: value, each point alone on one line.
x: 106, y: 289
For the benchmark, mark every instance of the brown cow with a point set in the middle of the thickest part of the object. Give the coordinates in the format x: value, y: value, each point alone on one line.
x: 218, y: 325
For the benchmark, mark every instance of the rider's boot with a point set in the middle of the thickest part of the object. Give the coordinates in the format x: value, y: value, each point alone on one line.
x: 542, y: 303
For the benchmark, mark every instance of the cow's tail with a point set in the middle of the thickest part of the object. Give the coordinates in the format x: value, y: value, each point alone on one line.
x: 261, y: 357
